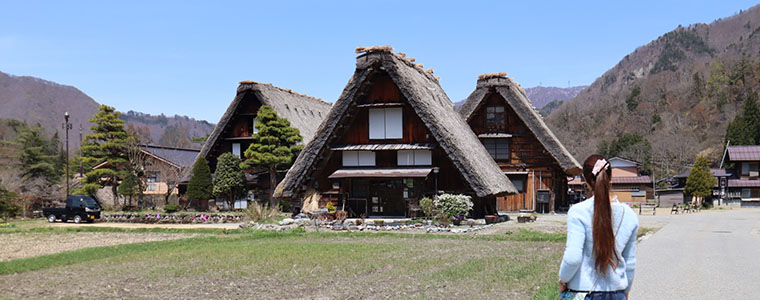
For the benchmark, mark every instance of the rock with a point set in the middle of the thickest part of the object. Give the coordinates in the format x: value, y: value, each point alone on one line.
x: 287, y: 221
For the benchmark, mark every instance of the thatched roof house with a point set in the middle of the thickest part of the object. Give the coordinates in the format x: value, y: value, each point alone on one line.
x: 385, y: 79
x: 519, y: 102
x: 235, y: 128
x: 501, y: 115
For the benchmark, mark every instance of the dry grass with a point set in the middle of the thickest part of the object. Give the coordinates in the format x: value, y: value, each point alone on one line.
x: 492, y: 75
x: 303, y: 266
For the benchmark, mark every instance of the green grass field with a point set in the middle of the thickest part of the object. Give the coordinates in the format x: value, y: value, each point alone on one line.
x: 263, y: 265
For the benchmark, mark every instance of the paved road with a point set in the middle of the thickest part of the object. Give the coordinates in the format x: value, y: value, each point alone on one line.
x: 710, y: 255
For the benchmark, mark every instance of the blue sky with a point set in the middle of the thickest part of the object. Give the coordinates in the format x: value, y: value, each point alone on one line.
x: 186, y: 57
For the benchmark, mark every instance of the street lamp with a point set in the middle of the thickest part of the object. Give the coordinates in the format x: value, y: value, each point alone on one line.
x: 67, y: 126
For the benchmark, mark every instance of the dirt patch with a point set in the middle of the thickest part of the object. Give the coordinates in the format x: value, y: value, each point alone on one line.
x: 21, y: 245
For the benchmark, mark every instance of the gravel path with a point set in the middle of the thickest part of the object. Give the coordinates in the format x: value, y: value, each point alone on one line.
x: 20, y: 245
x: 708, y: 255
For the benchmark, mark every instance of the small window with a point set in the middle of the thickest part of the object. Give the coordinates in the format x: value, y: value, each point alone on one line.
x: 358, y: 158
x: 495, y: 116
x: 518, y: 181
x: 151, y: 187
x: 236, y: 149
x: 414, y: 158
x: 386, y: 123
x: 745, y: 169
x: 255, y: 130
x: 498, y: 148
x: 153, y: 177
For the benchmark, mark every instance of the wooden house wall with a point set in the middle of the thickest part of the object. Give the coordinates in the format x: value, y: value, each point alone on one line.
x: 625, y: 171
x: 526, y: 153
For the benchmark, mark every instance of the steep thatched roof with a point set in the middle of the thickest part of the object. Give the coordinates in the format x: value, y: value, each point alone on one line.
x: 518, y: 100
x: 301, y: 110
x: 431, y: 104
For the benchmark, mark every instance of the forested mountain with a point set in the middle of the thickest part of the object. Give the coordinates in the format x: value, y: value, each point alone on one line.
x: 33, y: 100
x: 669, y: 100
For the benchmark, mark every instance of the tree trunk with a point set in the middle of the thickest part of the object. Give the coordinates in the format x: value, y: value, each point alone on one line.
x: 272, y: 185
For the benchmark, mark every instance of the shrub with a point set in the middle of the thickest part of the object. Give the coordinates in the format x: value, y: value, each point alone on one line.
x: 171, y: 208
x: 257, y: 212
x: 426, y: 204
x: 453, y: 205
x: 331, y: 208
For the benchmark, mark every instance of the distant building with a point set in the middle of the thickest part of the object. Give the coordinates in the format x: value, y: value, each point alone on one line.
x: 164, y: 169
x: 744, y: 185
x: 627, y: 183
x: 673, y: 187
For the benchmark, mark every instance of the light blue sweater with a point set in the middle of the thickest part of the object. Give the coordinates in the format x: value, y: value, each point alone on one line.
x: 577, y: 267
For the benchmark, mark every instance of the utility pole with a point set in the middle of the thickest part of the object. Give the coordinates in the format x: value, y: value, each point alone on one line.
x: 81, y: 165
x: 67, y: 126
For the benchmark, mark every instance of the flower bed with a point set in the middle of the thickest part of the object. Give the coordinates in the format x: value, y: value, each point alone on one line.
x: 174, y: 218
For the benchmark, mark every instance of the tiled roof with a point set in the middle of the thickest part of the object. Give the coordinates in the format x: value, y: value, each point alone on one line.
x: 743, y: 183
x: 616, y: 180
x: 744, y: 153
x: 715, y: 172
x: 178, y: 156
x: 630, y: 179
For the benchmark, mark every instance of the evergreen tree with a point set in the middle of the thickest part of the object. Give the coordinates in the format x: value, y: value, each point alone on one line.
x: 229, y: 180
x: 35, y: 156
x: 55, y: 149
x: 745, y: 128
x: 106, y: 144
x: 8, y: 203
x: 700, y: 181
x: 274, y: 146
x: 130, y: 187
x: 200, y: 185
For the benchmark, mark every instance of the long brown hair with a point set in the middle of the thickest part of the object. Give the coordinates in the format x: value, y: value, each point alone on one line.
x: 604, y: 238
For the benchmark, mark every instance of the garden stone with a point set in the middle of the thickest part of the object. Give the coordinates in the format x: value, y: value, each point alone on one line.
x: 287, y: 221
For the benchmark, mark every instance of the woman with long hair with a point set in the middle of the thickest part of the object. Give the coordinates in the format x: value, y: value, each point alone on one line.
x: 600, y: 254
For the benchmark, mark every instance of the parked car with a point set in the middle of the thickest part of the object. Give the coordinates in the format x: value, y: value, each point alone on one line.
x: 79, y: 208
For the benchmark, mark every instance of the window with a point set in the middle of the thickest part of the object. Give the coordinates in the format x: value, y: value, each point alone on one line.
x: 748, y: 193
x: 358, y: 158
x: 498, y: 148
x: 255, y: 130
x: 236, y: 149
x: 151, y: 187
x: 495, y: 116
x: 385, y: 123
x: 153, y: 177
x: 415, y: 157
x: 518, y: 181
x: 750, y: 169
x: 745, y: 169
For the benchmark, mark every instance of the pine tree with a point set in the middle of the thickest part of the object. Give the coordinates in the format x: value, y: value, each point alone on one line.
x: 8, y: 203
x: 274, y: 146
x: 130, y: 187
x: 745, y: 128
x: 700, y: 181
x: 34, y: 155
x: 229, y: 180
x: 200, y: 185
x: 59, y: 161
x: 106, y: 144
